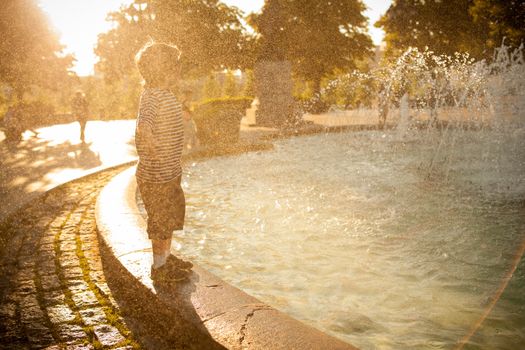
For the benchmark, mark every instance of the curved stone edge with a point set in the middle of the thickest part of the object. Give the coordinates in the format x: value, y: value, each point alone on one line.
x: 231, y: 317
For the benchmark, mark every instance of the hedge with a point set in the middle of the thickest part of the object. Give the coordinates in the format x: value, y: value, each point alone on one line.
x: 219, y: 120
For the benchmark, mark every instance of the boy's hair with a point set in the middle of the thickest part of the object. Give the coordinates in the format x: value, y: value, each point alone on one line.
x: 154, y: 60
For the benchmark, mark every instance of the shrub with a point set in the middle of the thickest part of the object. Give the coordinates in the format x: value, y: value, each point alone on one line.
x: 314, y: 105
x: 34, y: 114
x: 219, y: 120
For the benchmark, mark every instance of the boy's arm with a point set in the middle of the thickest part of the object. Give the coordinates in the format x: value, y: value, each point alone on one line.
x: 145, y: 133
x: 147, y: 113
x: 186, y: 112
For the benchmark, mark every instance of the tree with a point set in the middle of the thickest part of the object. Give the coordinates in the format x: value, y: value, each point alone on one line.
x: 30, y: 52
x: 315, y: 36
x: 444, y: 26
x: 248, y: 89
x: 117, y: 99
x: 449, y: 26
x: 212, y: 88
x: 230, y: 85
x: 116, y: 48
x: 208, y: 33
x: 501, y: 19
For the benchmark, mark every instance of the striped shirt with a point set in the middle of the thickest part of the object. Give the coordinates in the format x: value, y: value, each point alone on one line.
x: 159, y: 110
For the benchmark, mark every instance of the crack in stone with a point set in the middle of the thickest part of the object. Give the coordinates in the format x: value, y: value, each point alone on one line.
x: 242, y: 331
x: 256, y: 308
x: 214, y: 316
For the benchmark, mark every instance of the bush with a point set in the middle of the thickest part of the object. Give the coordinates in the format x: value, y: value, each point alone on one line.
x: 34, y: 114
x: 39, y: 113
x: 313, y: 105
x: 219, y: 120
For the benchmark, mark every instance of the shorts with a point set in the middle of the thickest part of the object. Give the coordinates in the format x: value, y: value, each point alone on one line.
x: 165, y: 205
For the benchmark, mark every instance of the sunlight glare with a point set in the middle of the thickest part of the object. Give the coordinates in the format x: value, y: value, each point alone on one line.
x: 78, y: 23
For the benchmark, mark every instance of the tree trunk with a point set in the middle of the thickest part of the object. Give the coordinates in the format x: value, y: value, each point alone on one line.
x: 316, y: 86
x: 318, y: 105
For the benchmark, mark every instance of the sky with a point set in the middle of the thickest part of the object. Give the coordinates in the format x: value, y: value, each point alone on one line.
x: 78, y: 22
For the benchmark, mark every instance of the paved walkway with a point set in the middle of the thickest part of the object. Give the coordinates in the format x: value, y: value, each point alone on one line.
x: 56, y: 156
x: 53, y: 290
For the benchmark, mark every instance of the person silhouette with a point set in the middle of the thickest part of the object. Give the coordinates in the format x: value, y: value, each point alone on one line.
x: 79, y: 108
x: 159, y: 138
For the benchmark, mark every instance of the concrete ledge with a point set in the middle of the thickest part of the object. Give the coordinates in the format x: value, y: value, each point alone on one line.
x: 216, y: 309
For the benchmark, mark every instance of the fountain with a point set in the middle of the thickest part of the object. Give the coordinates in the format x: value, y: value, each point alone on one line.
x: 404, y: 110
x: 395, y: 238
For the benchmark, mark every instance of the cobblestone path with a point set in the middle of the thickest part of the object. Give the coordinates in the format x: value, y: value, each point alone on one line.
x: 53, y: 291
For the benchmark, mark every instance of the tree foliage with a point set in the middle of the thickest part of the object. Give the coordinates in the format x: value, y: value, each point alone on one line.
x: 30, y: 52
x: 208, y: 33
x: 449, y: 26
x: 249, y: 86
x: 109, y: 100
x: 230, y: 85
x: 315, y: 36
x: 500, y: 19
x: 212, y: 88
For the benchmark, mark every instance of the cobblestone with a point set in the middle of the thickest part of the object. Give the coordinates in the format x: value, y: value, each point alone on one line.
x: 50, y: 282
x: 60, y: 314
x: 107, y: 335
x: 85, y: 299
x: 73, y: 273
x: 53, y: 293
x: 93, y: 316
x: 71, y: 333
x: 51, y: 298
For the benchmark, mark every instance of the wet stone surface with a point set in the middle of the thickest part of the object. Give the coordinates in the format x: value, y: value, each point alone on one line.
x: 53, y: 292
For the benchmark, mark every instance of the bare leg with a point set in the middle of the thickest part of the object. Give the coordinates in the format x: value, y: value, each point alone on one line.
x: 160, y: 246
x: 161, y: 251
x: 82, y: 130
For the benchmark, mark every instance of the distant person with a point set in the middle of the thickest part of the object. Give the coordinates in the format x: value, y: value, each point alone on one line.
x: 79, y: 107
x: 159, y: 138
x: 190, y: 128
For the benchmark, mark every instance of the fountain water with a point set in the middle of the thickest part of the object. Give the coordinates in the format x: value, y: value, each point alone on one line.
x: 447, y: 97
x: 404, y: 115
x: 393, y: 239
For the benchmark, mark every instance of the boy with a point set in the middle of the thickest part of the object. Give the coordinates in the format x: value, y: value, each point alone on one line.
x: 159, y: 139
